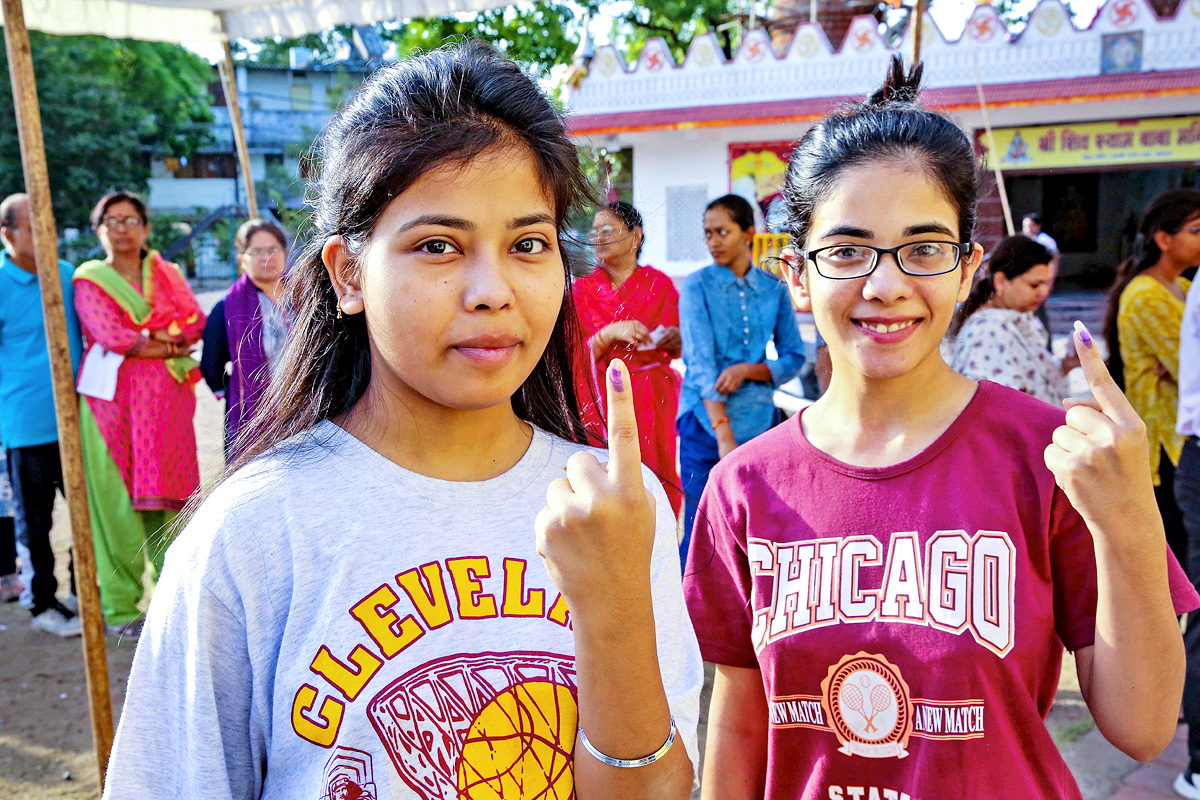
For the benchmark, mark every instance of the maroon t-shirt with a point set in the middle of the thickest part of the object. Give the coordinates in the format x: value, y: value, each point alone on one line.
x: 909, y: 621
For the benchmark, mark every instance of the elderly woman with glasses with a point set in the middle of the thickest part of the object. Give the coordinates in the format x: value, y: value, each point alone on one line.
x: 139, y: 320
x: 631, y: 311
x: 246, y: 331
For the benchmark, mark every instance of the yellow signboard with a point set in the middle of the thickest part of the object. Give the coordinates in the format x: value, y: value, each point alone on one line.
x: 1096, y: 144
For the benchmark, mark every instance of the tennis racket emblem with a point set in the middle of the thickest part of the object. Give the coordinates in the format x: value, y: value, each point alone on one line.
x: 869, y: 706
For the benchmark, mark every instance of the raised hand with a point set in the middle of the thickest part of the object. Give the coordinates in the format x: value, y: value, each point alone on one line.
x: 596, y: 533
x: 1100, y: 457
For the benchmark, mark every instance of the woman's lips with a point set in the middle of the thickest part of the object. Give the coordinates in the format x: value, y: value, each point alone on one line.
x: 491, y: 351
x: 887, y: 331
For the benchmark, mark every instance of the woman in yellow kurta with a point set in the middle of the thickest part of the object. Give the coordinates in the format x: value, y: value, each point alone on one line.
x: 1145, y: 310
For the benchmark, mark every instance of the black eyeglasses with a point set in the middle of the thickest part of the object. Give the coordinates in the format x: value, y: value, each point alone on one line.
x: 846, y: 261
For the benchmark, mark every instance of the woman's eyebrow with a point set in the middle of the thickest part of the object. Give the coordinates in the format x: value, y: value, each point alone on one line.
x: 848, y: 230
x: 529, y: 220
x: 928, y: 227
x: 443, y: 220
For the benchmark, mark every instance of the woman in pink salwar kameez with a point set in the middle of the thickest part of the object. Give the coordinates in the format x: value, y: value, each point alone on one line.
x: 139, y: 447
x: 630, y: 311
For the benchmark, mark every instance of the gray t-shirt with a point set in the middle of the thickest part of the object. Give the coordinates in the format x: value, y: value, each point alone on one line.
x: 331, y: 625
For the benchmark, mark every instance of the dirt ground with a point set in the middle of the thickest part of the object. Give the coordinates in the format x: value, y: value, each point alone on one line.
x: 45, y: 734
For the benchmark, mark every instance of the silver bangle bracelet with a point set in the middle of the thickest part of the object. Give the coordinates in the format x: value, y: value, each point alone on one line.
x: 629, y: 763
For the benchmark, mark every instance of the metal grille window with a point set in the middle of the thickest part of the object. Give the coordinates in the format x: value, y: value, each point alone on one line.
x: 685, y: 223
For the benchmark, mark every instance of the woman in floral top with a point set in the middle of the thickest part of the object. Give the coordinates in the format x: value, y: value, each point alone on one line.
x: 1145, y: 310
x: 998, y: 337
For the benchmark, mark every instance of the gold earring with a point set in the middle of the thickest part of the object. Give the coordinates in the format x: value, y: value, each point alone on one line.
x: 339, y: 308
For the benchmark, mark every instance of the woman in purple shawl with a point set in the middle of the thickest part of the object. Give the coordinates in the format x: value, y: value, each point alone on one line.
x: 245, y: 333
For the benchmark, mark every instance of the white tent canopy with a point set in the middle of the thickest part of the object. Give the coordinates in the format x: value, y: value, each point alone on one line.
x: 221, y: 20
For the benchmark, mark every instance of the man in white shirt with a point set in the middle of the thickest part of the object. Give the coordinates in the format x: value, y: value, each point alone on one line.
x: 1031, y: 226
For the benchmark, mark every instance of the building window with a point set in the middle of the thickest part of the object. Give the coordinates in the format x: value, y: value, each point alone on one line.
x: 204, y: 165
x: 685, y: 222
x: 302, y: 97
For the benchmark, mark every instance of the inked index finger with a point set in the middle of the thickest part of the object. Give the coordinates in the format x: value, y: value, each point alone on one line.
x: 624, y: 449
x: 1110, y: 397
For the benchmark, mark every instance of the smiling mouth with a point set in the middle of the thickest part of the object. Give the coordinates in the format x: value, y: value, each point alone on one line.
x: 885, y: 327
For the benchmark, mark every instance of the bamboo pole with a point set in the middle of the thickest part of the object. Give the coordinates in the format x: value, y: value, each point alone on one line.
x: 229, y: 82
x: 993, y: 156
x: 918, y: 32
x: 45, y: 241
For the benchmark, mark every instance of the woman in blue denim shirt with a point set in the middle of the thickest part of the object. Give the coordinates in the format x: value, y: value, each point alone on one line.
x: 728, y: 312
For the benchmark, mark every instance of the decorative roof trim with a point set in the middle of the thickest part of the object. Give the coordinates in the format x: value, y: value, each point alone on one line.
x: 1132, y: 86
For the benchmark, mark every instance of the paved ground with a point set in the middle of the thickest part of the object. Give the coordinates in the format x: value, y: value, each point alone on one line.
x: 1153, y: 781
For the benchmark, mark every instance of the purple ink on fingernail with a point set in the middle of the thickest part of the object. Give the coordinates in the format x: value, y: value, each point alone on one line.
x: 618, y: 382
x: 1084, y: 336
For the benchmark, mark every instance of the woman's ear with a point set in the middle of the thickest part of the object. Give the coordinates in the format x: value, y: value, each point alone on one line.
x: 1162, y: 240
x: 339, y: 263
x: 970, y: 266
x: 797, y: 283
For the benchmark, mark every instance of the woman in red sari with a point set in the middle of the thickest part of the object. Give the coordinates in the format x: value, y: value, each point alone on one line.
x: 631, y: 312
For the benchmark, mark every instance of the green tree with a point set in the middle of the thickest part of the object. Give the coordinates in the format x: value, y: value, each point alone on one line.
x: 677, y: 22
x: 540, y: 34
x: 106, y: 105
x: 275, y: 52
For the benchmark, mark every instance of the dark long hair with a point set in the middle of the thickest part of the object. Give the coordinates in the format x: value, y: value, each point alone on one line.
x: 889, y: 126
x: 444, y: 107
x: 1013, y: 257
x: 1166, y: 213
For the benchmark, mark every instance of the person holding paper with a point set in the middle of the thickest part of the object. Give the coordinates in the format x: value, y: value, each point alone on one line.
x: 139, y: 319
x: 30, y: 429
x: 631, y: 311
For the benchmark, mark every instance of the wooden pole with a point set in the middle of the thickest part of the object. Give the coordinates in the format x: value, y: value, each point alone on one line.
x: 66, y: 404
x: 229, y: 82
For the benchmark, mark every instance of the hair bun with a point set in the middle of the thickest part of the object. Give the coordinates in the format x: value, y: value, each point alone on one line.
x: 898, y: 87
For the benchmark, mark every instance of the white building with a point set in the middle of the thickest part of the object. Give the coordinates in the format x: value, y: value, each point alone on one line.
x: 283, y: 108
x: 1089, y: 123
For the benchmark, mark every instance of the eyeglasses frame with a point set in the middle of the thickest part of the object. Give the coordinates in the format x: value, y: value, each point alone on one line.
x: 809, y: 255
x: 122, y: 223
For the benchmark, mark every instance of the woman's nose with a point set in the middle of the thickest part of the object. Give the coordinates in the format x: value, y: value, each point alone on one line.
x: 887, y: 282
x: 487, y: 284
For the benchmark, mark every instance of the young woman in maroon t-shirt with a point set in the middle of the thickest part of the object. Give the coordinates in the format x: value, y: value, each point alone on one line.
x: 887, y: 581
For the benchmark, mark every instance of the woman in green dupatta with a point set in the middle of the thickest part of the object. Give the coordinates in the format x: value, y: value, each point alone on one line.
x: 139, y: 445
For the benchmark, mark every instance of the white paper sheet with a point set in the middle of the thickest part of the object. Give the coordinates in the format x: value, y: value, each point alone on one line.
x: 656, y: 336
x: 98, y: 377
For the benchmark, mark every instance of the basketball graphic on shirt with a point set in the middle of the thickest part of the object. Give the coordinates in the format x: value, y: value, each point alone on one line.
x: 482, y: 727
x: 516, y: 747
x: 869, y: 706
